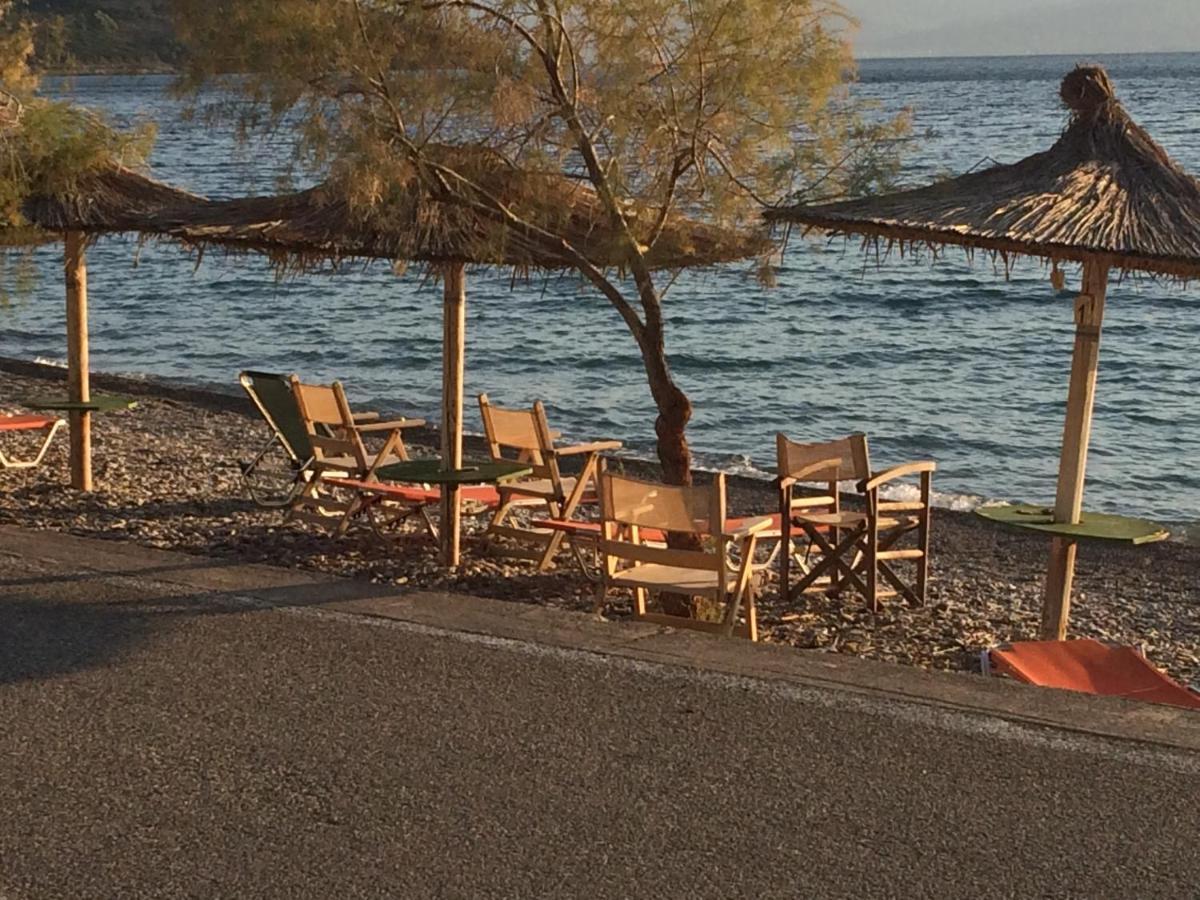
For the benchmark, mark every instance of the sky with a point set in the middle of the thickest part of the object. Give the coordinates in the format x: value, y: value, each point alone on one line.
x: 1003, y: 27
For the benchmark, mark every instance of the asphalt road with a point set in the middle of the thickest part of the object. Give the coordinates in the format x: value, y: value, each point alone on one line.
x: 159, y: 743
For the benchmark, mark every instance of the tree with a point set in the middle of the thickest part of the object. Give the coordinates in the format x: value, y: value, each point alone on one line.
x: 712, y: 108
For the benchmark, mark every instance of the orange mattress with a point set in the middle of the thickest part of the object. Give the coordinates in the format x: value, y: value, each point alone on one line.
x: 1093, y: 668
x: 25, y: 423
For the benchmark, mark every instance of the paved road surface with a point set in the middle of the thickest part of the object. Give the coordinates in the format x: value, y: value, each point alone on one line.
x: 159, y: 743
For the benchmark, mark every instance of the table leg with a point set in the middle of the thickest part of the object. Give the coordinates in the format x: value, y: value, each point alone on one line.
x: 451, y: 530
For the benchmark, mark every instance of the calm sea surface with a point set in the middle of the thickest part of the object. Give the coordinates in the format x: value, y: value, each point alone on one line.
x: 949, y: 361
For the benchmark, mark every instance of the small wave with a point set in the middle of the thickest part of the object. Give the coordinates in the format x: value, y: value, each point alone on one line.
x: 46, y: 361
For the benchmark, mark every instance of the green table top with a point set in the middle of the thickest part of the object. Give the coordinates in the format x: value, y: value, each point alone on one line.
x: 1092, y: 526
x: 98, y: 403
x: 430, y: 471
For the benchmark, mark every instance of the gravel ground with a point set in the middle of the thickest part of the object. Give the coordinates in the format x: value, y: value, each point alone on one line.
x: 167, y: 476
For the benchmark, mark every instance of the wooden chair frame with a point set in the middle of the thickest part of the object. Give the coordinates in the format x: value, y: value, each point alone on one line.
x: 527, y: 434
x: 858, y: 549
x: 340, y: 454
x: 47, y: 426
x: 628, y: 506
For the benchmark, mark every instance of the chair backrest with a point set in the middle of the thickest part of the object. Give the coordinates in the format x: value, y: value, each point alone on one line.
x: 520, y: 434
x: 852, y: 450
x: 275, y: 401
x: 329, y: 422
x: 629, y: 504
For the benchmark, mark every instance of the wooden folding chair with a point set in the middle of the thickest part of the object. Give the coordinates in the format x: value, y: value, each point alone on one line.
x: 41, y: 428
x: 630, y: 508
x: 851, y: 547
x: 525, y: 435
x: 340, y: 457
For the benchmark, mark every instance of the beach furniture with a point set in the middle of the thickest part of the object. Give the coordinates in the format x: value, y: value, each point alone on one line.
x: 862, y: 547
x: 40, y: 429
x: 631, y: 508
x: 1090, y: 667
x: 331, y: 495
x: 525, y: 435
x: 273, y: 397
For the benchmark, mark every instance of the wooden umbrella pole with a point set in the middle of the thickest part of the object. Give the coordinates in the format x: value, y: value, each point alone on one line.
x: 1077, y: 431
x: 78, y: 389
x: 454, y: 329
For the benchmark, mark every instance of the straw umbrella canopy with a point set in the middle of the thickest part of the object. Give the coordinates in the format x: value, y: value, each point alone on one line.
x: 417, y: 219
x: 110, y: 199
x: 1104, y: 195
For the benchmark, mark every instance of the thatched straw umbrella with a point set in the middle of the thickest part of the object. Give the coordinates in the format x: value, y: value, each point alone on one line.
x: 109, y: 200
x: 419, y: 222
x: 1105, y: 195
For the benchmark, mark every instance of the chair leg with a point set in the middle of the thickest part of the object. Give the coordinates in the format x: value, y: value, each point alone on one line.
x: 785, y: 556
x: 871, y: 559
x: 751, y: 612
x: 923, y: 563
x: 47, y: 437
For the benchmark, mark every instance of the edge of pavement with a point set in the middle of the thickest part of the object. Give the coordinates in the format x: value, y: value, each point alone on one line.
x: 80, y: 558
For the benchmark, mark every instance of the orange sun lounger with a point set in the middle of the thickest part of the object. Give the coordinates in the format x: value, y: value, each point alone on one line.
x: 24, y: 424
x: 1090, y: 667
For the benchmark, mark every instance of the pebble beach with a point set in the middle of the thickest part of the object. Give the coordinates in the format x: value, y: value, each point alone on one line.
x: 167, y: 476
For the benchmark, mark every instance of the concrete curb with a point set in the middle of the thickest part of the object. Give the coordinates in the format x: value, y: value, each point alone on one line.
x: 1104, y: 717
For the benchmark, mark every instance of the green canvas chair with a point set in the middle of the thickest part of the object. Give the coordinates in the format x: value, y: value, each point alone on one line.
x: 275, y: 401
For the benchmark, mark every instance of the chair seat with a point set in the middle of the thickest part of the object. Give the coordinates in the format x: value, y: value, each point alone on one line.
x: 852, y: 519
x: 842, y: 519
x: 656, y: 577
x: 26, y: 423
x: 539, y: 487
x: 405, y: 492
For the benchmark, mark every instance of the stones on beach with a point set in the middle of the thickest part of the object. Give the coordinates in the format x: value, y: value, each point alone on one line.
x: 166, y: 479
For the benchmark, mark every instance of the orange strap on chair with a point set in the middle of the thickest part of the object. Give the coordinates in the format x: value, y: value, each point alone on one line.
x: 1093, y: 668
x: 486, y: 495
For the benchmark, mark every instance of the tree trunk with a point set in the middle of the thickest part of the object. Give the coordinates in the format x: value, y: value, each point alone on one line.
x: 674, y: 454
x: 674, y: 413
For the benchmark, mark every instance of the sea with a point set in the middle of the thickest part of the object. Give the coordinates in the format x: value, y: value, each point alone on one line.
x: 954, y: 359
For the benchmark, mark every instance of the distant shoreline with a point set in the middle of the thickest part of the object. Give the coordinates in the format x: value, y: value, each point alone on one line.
x: 165, y: 69
x: 82, y: 71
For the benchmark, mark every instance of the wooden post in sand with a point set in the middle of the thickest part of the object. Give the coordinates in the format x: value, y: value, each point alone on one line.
x: 1077, y: 432
x: 78, y: 389
x: 454, y: 330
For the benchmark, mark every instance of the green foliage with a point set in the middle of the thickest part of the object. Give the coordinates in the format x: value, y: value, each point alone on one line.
x: 715, y: 107
x: 46, y: 147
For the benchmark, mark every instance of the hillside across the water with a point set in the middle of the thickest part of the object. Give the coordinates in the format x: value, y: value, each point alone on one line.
x: 104, y: 35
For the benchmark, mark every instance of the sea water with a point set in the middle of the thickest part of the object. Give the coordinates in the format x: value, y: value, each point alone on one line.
x: 953, y: 360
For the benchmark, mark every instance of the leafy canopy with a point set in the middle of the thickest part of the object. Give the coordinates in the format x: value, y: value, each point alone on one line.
x: 47, y: 146
x: 711, y: 107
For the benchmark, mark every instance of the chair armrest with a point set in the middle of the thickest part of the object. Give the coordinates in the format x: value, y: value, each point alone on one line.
x: 752, y: 527
x: 389, y: 426
x: 902, y: 471
x: 365, y: 416
x: 594, y: 447
x: 821, y: 470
